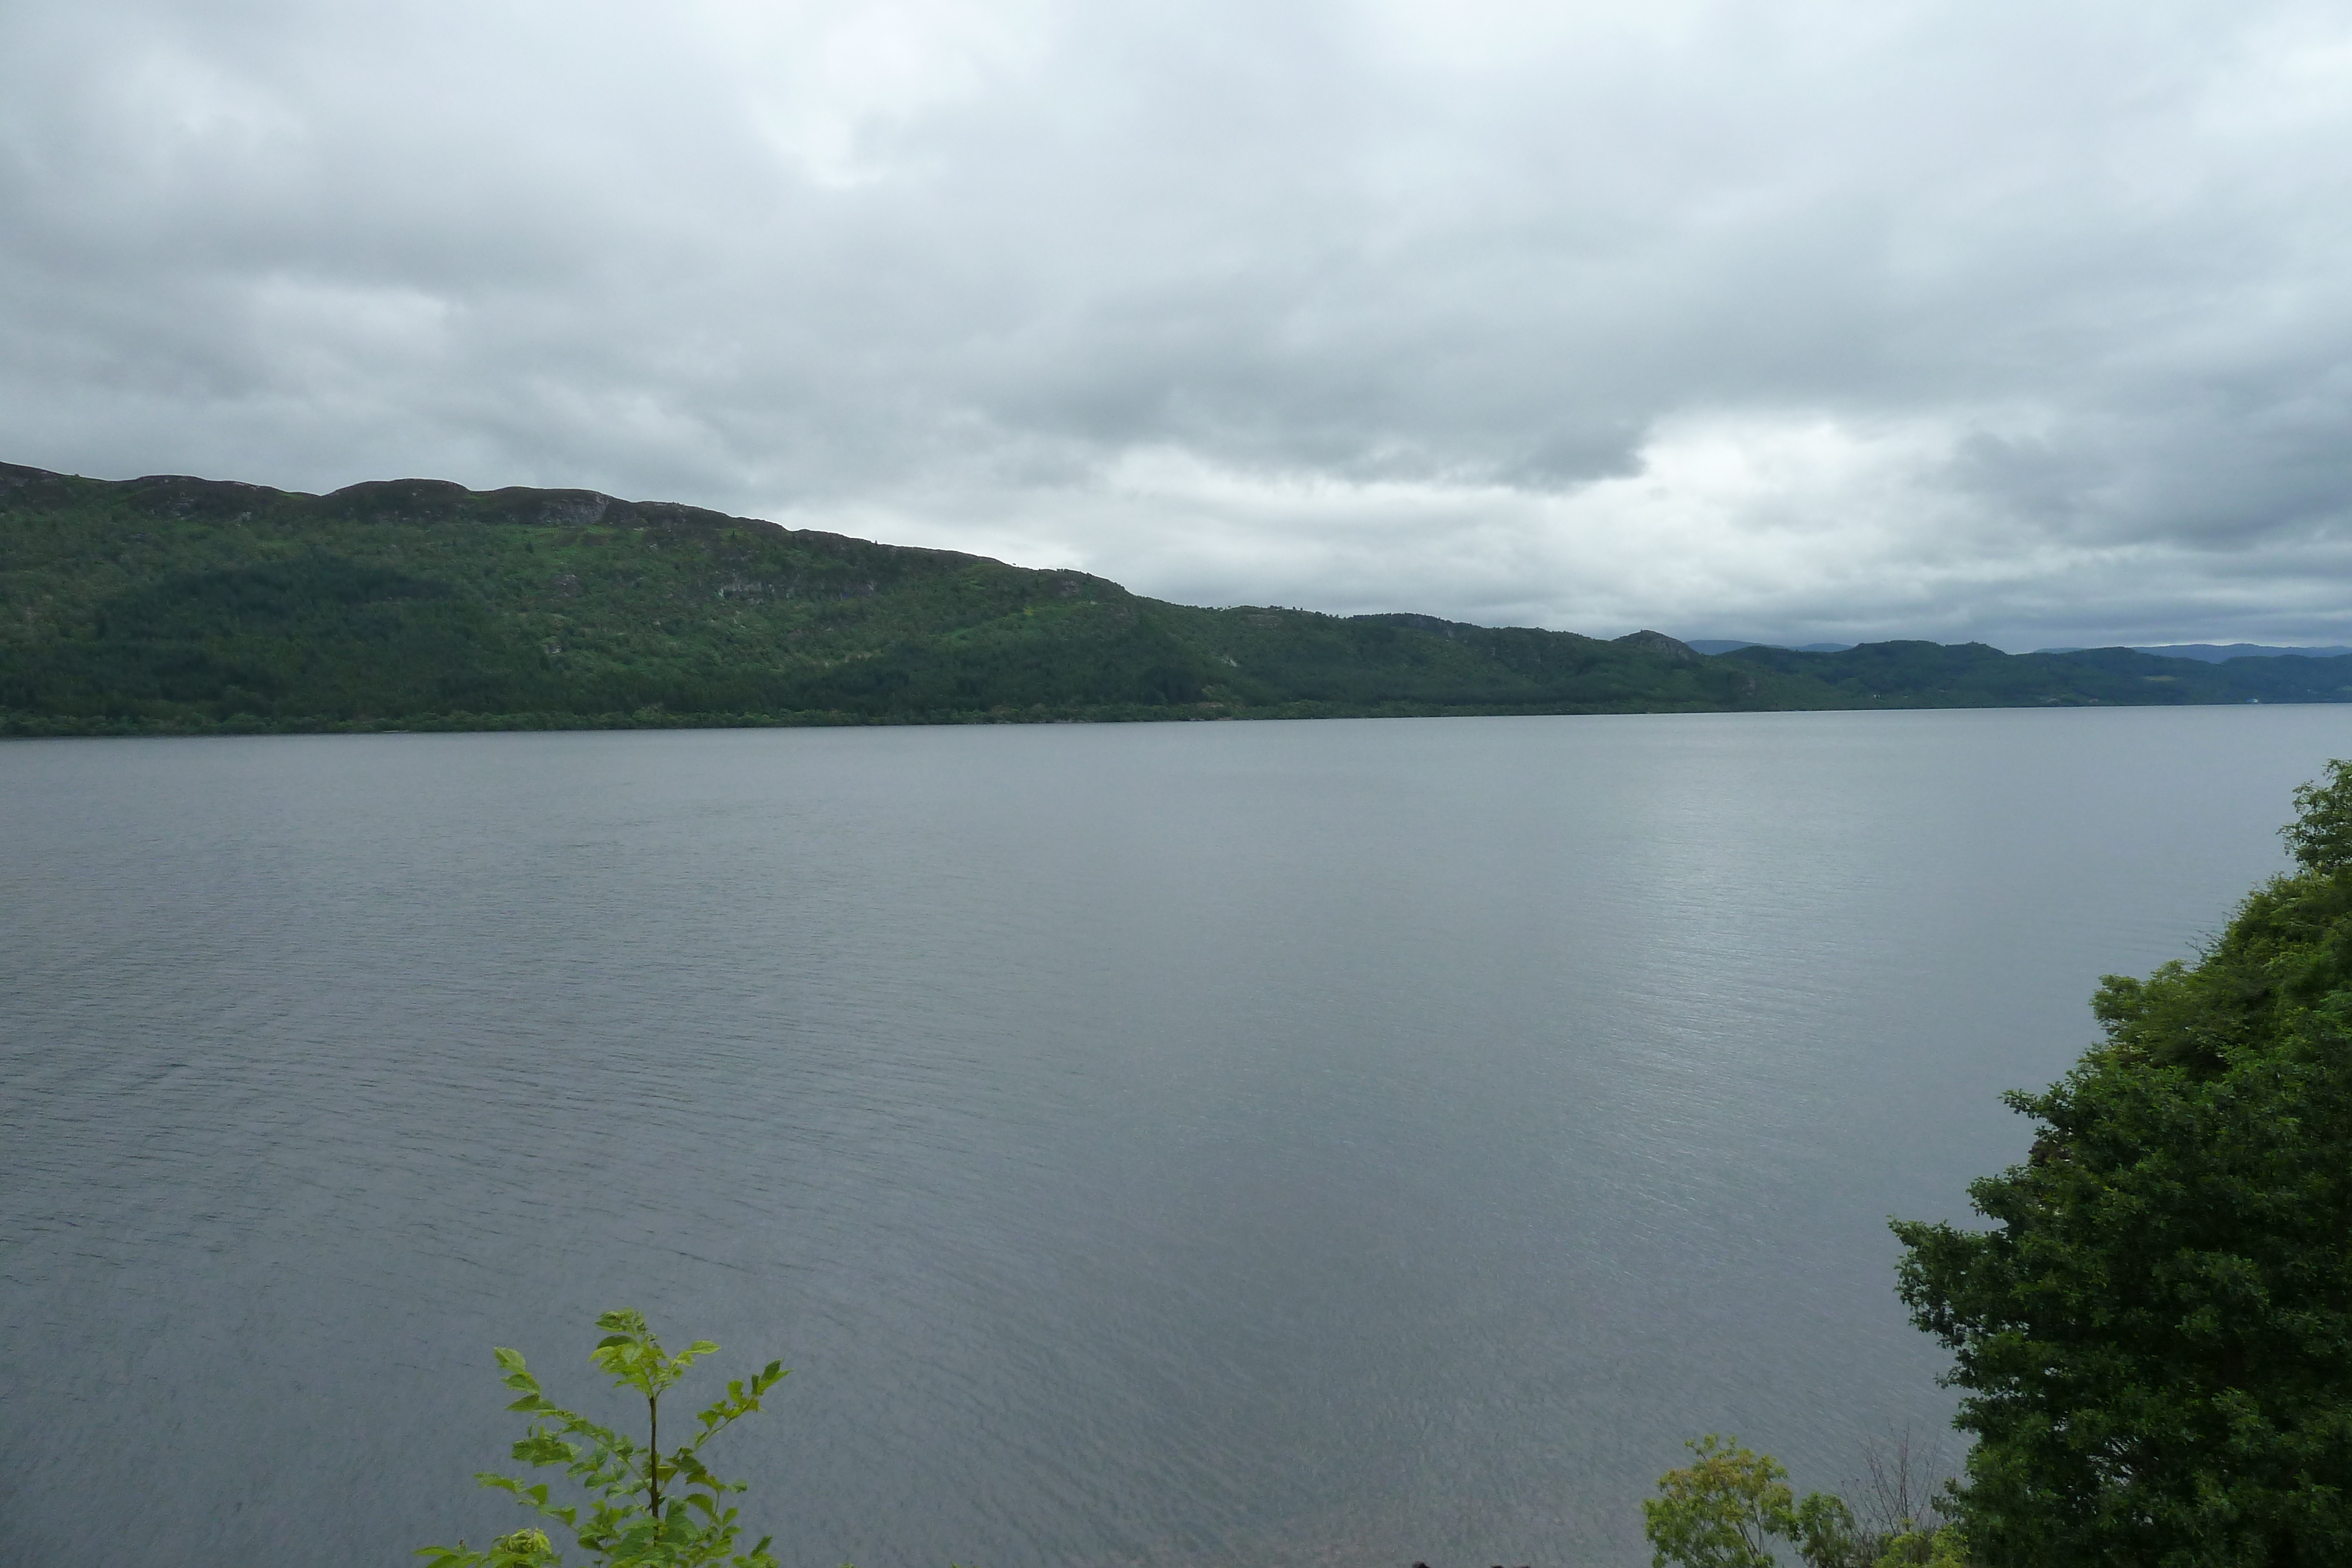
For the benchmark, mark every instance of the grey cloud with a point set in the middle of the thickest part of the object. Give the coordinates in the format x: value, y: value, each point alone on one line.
x: 1361, y: 305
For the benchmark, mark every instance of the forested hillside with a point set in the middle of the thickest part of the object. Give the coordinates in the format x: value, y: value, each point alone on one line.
x: 170, y: 604
x: 1970, y: 675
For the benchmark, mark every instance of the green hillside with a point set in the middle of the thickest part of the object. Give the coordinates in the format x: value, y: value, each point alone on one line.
x: 179, y: 605
x: 173, y: 604
x: 1970, y: 675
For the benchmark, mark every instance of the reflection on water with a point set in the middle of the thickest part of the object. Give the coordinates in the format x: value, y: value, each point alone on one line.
x: 1359, y: 1142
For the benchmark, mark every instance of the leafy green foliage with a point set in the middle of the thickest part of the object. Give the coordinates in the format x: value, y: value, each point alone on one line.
x: 1824, y: 1533
x: 1721, y: 1511
x: 645, y: 1509
x: 1729, y: 1504
x: 1927, y: 1545
x: 2156, y: 1334
x: 1727, y: 1507
x: 2320, y: 837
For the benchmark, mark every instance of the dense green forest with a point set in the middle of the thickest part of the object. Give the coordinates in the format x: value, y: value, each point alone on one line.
x: 172, y: 604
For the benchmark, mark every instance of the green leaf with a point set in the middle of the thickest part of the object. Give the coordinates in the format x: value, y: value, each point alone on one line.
x: 694, y: 1528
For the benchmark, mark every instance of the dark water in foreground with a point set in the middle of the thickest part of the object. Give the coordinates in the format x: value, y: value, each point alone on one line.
x: 1241, y: 1143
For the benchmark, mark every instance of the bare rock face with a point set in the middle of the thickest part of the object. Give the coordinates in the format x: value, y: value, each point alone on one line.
x: 1663, y: 646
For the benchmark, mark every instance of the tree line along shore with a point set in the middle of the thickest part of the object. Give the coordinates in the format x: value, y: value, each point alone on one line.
x: 175, y: 605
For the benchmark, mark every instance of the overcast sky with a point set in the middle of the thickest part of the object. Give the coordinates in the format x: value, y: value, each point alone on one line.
x: 2026, y: 321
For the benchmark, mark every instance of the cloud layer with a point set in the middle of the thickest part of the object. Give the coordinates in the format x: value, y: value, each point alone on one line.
x: 2022, y: 322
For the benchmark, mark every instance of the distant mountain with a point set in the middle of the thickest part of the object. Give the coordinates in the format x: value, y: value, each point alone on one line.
x: 171, y: 605
x: 2204, y: 652
x: 1972, y: 675
x: 1721, y: 645
x: 2221, y: 653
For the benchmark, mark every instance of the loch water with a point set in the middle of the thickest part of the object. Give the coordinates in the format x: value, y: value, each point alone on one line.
x: 1353, y: 1142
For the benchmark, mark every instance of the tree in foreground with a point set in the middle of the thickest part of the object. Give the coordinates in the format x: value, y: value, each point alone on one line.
x: 2155, y: 1336
x: 1726, y: 1508
x: 645, y: 1509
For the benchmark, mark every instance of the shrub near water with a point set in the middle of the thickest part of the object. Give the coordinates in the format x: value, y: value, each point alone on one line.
x: 1726, y: 1508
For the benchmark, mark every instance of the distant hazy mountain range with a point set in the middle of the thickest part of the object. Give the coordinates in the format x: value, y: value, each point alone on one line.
x: 2219, y: 653
x: 2205, y: 653
x: 171, y: 605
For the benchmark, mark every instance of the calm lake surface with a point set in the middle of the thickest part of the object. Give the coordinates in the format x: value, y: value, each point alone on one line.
x: 1245, y: 1144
